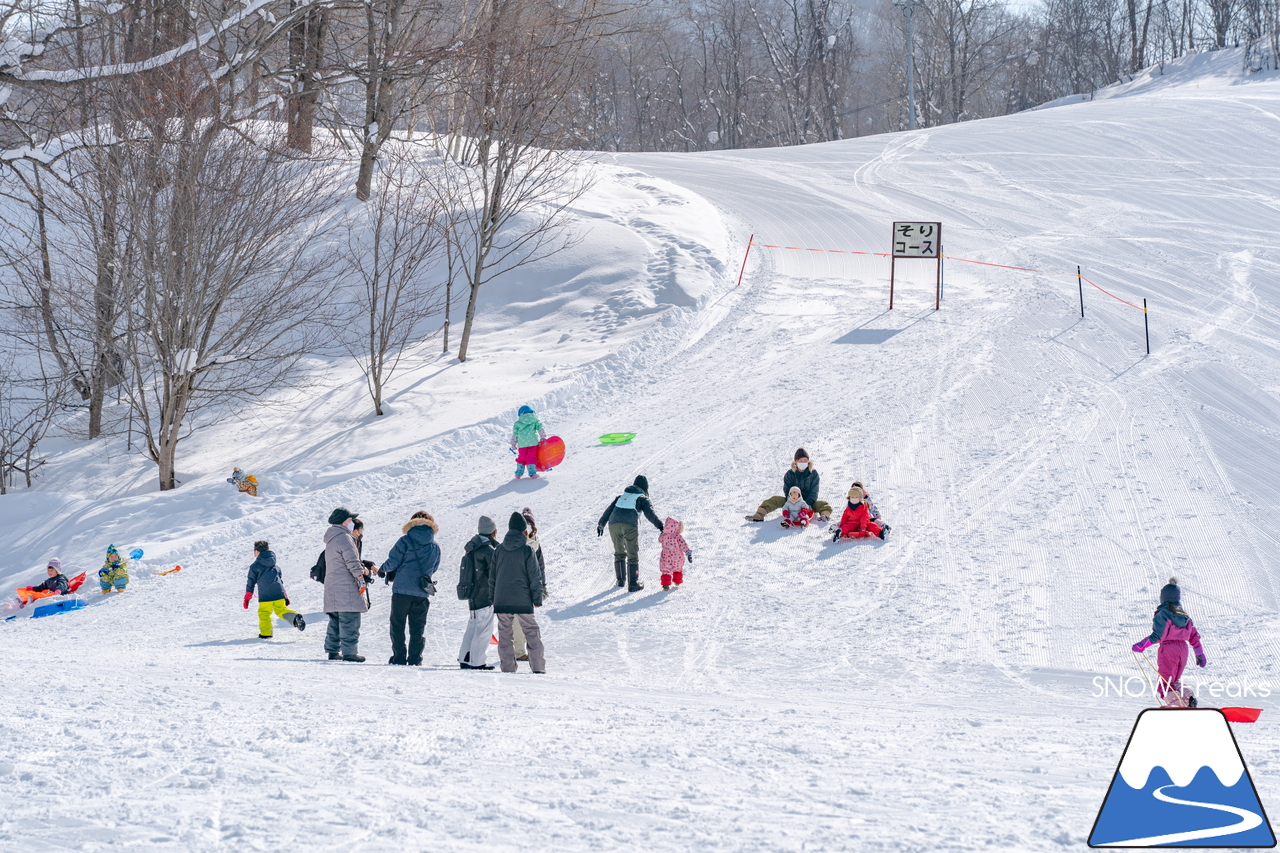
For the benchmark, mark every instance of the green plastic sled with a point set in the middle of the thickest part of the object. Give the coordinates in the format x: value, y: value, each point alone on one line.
x: 617, y: 438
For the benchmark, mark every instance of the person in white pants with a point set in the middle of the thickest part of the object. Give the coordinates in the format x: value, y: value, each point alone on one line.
x: 473, y: 586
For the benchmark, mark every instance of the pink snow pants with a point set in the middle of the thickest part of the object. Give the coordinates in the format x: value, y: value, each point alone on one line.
x: 1171, y: 661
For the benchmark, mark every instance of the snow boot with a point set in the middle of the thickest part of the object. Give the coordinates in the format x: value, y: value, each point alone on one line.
x: 299, y: 622
x: 264, y: 636
x: 884, y: 533
x: 391, y: 661
x: 666, y: 587
x: 633, y: 577
x: 620, y: 570
x: 353, y: 658
x: 334, y: 656
x: 758, y: 515
x: 523, y: 657
x: 825, y: 515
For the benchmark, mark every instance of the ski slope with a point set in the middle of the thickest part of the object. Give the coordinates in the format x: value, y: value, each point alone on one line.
x: 1043, y: 477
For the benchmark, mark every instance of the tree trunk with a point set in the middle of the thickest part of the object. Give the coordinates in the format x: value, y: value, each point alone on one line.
x: 305, y: 51
x: 471, y: 315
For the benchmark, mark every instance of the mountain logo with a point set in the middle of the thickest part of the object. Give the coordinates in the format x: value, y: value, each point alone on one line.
x: 1181, y: 783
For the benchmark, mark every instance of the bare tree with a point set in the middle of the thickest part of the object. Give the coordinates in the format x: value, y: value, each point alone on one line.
x: 393, y: 245
x: 31, y: 393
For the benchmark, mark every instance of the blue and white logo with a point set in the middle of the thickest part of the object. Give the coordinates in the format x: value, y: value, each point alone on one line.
x: 1182, y: 783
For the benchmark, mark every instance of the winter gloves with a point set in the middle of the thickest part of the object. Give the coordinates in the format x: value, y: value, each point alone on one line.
x: 599, y: 529
x: 1142, y: 645
x: 688, y: 555
x: 1201, y: 660
x: 247, y: 597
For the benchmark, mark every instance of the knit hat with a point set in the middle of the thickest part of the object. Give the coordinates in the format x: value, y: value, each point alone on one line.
x: 486, y: 526
x: 856, y: 494
x: 528, y: 516
x: 111, y: 549
x: 517, y: 522
x: 340, y: 515
x: 1170, y: 594
x: 800, y: 454
x: 642, y: 482
x: 793, y: 489
x: 55, y: 563
x: 525, y: 410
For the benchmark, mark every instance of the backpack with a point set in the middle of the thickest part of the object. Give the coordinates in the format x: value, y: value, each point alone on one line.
x: 318, y: 570
x: 467, y: 576
x: 627, y: 500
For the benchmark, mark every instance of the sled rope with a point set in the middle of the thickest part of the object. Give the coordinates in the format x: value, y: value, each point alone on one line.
x: 1168, y: 687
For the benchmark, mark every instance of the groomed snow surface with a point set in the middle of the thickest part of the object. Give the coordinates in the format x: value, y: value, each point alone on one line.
x: 1043, y: 477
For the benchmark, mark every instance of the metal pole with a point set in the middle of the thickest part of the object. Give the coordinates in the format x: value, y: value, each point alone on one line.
x: 893, y: 262
x: 1146, y: 326
x: 1080, y: 281
x: 744, y: 260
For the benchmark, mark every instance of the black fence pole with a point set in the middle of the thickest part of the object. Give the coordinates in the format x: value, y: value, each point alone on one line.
x: 1080, y: 282
x: 1146, y: 326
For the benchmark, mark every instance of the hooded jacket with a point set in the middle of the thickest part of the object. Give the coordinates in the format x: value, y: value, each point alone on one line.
x: 344, y: 573
x: 527, y: 431
x: 1171, y: 624
x: 414, y: 556
x: 58, y: 583
x: 806, y: 481
x: 615, y: 514
x: 516, y: 583
x: 266, y: 576
x: 674, y: 548
x: 477, y: 557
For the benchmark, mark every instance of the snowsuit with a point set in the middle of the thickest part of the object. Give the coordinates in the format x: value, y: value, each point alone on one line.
x: 343, y: 580
x: 796, y: 514
x: 674, y: 550
x: 58, y: 585
x: 516, y: 586
x: 807, y: 481
x: 623, y: 517
x: 525, y: 437
x: 1173, y: 630
x: 114, y: 573
x: 273, y: 601
x: 477, y: 563
x: 856, y: 522
x: 415, y: 556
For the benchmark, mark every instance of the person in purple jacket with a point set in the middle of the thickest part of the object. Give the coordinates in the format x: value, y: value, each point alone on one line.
x: 1173, y: 629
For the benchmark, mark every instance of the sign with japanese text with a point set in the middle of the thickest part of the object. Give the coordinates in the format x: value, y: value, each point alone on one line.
x: 917, y: 239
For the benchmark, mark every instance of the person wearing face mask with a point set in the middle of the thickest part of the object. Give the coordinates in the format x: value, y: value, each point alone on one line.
x: 344, y: 583
x: 802, y: 476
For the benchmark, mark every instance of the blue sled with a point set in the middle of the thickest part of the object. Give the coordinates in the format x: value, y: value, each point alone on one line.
x: 53, y: 608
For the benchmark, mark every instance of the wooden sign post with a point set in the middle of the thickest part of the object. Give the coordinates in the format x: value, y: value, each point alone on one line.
x: 917, y: 240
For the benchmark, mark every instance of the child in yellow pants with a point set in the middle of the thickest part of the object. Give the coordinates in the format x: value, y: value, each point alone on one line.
x: 273, y: 601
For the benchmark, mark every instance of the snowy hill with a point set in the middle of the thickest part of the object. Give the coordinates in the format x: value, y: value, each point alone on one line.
x: 1043, y: 477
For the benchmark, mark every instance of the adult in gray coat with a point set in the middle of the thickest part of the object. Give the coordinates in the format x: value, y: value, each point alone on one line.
x: 516, y: 585
x: 344, y: 582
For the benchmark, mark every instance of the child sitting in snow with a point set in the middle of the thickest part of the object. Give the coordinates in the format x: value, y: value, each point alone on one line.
x: 55, y: 584
x: 795, y: 512
x: 272, y: 598
x: 114, y: 573
x: 861, y: 520
x: 1173, y: 629
x: 526, y: 435
x: 674, y: 552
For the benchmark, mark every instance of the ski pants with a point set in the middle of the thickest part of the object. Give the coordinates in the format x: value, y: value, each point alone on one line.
x: 777, y: 501
x: 475, y: 642
x: 626, y: 541
x: 413, y: 610
x: 343, y: 634
x: 527, y: 457
x: 856, y: 523
x: 506, y: 648
x: 268, y: 609
x: 1171, y: 660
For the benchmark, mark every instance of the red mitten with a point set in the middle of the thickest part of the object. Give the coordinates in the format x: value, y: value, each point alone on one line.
x: 247, y: 596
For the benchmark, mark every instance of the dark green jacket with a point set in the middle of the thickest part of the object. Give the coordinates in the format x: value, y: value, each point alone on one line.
x: 516, y: 582
x: 807, y: 481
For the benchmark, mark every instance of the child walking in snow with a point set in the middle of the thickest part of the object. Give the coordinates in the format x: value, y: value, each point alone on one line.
x: 795, y: 512
x: 526, y: 435
x: 1173, y: 629
x: 674, y: 552
x: 114, y: 573
x: 860, y: 519
x: 272, y: 598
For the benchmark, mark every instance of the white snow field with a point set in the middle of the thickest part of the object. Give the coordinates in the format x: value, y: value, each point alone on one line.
x: 937, y: 691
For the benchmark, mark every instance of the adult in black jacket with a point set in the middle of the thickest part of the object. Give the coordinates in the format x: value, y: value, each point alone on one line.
x: 474, y: 576
x: 516, y: 585
x: 623, y: 518
x: 803, y: 476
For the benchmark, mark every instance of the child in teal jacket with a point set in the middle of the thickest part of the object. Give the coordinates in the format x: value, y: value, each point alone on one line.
x: 526, y: 435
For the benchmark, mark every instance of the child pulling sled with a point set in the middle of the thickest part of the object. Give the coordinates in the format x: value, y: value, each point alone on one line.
x: 1172, y: 629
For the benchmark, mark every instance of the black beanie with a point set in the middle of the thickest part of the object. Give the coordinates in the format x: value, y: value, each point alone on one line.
x: 642, y: 483
x: 517, y: 522
x: 1170, y: 594
x: 340, y: 515
x: 800, y: 454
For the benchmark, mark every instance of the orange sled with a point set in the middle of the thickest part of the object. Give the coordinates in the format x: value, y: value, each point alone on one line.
x: 27, y: 595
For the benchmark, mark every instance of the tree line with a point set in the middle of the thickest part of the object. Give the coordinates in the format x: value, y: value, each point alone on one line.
x: 196, y: 196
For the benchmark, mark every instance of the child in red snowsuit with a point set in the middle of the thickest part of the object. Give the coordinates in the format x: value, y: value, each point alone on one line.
x: 674, y: 552
x: 1173, y: 629
x: 856, y: 523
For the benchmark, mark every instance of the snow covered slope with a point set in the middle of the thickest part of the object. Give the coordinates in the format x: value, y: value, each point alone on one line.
x: 936, y: 692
